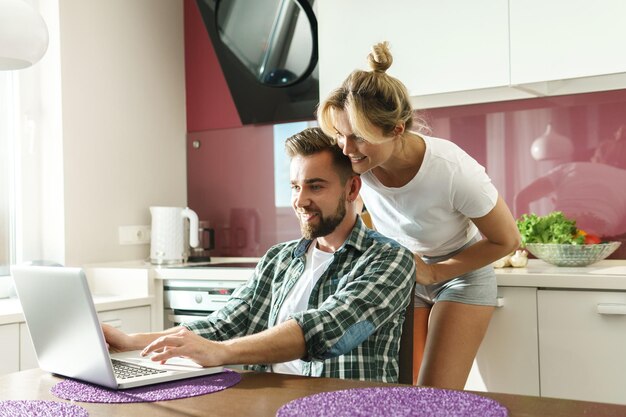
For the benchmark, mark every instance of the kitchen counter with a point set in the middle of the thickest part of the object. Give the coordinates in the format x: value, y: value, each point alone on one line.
x: 127, y: 284
x: 132, y: 283
x: 115, y: 287
x: 261, y: 395
x: 11, y: 310
x: 604, y: 275
x: 223, y: 269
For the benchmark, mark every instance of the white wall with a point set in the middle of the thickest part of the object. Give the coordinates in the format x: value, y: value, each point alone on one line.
x: 123, y: 120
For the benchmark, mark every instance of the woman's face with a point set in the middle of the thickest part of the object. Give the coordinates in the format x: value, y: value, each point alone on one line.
x: 364, y: 153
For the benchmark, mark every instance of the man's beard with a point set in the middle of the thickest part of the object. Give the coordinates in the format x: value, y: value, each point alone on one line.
x: 326, y: 225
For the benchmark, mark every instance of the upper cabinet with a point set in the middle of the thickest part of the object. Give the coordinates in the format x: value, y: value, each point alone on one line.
x: 438, y: 46
x: 453, y: 53
x: 566, y: 39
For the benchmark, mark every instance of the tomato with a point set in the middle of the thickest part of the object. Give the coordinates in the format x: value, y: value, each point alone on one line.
x: 592, y: 239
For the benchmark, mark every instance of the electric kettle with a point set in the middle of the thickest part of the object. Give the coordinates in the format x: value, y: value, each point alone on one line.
x: 168, y: 235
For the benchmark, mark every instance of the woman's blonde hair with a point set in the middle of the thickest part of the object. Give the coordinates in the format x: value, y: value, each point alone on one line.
x: 370, y: 99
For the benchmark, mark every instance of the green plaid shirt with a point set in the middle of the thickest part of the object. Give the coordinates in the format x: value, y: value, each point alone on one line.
x: 353, y: 325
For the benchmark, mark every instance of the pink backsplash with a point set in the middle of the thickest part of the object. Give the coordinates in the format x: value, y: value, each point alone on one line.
x: 233, y: 168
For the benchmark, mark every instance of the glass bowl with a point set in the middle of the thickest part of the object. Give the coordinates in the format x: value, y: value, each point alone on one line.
x: 572, y: 255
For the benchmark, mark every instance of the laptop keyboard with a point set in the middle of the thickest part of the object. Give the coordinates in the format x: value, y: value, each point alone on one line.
x: 125, y: 370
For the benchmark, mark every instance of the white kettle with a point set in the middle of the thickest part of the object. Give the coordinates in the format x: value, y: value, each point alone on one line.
x: 167, y: 241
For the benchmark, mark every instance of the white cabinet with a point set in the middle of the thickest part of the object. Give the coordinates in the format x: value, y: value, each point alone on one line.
x: 129, y: 320
x: 558, y: 343
x: 452, y: 53
x: 582, y: 345
x: 9, y: 348
x: 508, y: 359
x: 562, y: 39
x: 438, y: 46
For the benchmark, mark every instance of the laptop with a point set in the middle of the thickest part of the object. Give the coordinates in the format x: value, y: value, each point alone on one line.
x: 68, y: 340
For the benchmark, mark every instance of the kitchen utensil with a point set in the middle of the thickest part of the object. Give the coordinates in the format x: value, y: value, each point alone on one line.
x: 167, y: 244
x: 206, y: 242
x: 572, y: 255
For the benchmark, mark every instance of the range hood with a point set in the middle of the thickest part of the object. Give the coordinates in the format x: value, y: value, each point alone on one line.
x: 267, y: 50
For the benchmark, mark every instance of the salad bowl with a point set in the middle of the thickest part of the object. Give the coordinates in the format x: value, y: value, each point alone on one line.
x: 568, y: 254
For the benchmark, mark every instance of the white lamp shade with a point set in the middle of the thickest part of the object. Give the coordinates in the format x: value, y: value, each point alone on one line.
x: 551, y: 146
x: 23, y: 35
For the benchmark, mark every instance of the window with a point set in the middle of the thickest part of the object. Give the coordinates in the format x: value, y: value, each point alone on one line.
x: 8, y: 84
x: 282, y: 184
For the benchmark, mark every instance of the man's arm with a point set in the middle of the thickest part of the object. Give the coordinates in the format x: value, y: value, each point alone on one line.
x: 372, y: 294
x: 282, y: 343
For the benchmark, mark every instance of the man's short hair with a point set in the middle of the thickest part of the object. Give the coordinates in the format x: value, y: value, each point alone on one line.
x: 312, y: 141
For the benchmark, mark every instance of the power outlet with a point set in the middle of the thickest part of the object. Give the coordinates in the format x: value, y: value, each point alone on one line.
x: 134, y: 235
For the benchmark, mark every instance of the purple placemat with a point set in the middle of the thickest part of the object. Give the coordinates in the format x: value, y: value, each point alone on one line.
x: 70, y: 389
x: 37, y: 408
x: 393, y: 401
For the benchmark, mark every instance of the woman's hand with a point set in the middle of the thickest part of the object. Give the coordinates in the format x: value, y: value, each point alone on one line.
x: 187, y: 344
x: 424, y: 273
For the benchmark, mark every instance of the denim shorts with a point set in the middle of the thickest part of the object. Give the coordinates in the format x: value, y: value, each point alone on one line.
x: 478, y: 287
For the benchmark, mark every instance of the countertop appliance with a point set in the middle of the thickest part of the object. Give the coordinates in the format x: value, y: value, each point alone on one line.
x: 168, y: 234
x: 206, y: 242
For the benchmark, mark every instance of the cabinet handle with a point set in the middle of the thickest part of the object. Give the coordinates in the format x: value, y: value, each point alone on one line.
x: 499, y: 302
x: 610, y: 308
x: 117, y: 323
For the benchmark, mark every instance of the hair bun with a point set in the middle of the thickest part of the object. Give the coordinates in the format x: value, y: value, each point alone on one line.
x: 380, y: 58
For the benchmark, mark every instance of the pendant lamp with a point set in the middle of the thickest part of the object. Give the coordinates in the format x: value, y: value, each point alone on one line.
x: 551, y: 146
x: 23, y: 35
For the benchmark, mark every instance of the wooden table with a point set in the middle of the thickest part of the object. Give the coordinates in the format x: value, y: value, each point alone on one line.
x: 261, y: 395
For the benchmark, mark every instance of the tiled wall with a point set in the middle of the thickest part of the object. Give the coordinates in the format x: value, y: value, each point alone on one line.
x: 234, y: 167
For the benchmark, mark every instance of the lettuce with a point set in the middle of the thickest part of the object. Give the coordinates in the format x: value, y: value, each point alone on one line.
x: 551, y: 228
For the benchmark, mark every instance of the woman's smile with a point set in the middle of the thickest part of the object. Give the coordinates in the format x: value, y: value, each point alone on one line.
x: 357, y: 159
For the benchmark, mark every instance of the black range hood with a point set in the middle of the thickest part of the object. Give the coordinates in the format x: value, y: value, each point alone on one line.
x: 268, y: 53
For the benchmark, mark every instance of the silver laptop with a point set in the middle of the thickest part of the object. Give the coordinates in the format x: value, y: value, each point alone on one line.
x: 68, y: 339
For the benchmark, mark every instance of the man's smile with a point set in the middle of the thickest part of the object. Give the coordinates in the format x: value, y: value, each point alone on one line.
x: 307, y: 216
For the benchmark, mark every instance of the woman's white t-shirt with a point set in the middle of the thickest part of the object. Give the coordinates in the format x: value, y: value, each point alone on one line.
x: 430, y: 215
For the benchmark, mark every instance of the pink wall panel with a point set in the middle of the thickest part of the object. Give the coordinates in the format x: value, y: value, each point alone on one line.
x: 578, y: 168
x: 233, y: 168
x: 209, y: 103
x: 230, y: 182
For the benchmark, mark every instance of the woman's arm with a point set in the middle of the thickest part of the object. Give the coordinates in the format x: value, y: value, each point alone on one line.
x: 501, y: 237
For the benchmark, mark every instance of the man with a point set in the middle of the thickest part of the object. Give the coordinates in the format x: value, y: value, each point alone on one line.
x: 330, y: 304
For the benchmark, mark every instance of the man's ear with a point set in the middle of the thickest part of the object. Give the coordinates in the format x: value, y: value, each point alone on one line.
x: 354, y: 186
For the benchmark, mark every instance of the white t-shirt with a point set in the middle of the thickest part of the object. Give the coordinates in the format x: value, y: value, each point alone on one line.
x: 298, y: 298
x: 430, y: 215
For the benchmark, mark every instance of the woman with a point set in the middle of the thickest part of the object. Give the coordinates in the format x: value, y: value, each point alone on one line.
x: 432, y: 197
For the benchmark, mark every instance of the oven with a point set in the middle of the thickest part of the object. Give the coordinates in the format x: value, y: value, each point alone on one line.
x: 188, y: 300
x: 194, y: 291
